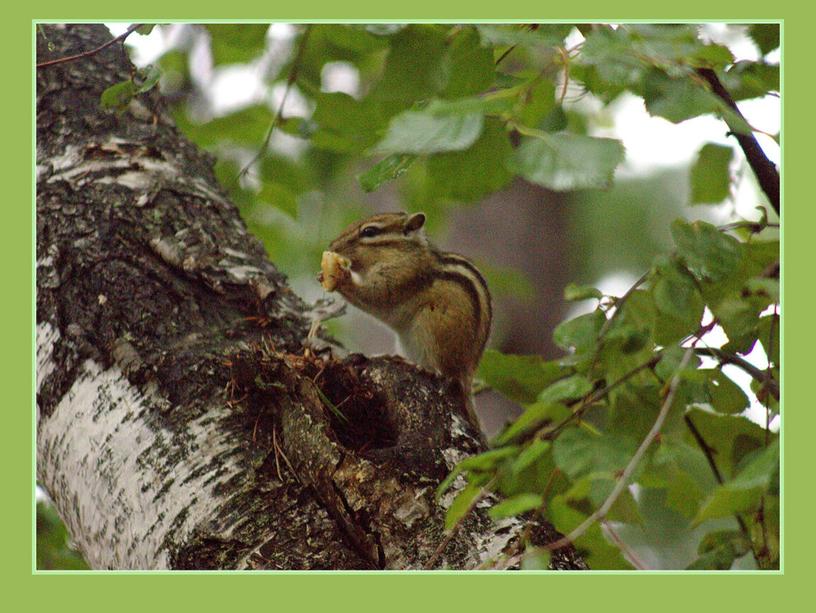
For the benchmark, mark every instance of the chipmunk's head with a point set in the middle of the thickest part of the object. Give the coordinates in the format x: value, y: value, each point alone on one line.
x: 382, y: 238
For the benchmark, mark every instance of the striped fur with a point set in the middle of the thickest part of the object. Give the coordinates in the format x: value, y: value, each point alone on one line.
x: 437, y: 302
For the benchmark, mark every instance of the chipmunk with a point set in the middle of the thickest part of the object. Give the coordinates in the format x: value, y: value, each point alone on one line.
x: 438, y: 303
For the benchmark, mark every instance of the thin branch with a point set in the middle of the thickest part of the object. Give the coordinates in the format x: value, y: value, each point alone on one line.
x: 290, y: 80
x: 765, y: 171
x: 505, y: 54
x: 545, y: 433
x: 723, y: 357
x: 636, y: 562
x: 623, y: 481
x: 121, y: 38
x: 708, y: 452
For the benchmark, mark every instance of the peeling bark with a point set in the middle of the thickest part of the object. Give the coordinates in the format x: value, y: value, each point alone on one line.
x: 181, y: 422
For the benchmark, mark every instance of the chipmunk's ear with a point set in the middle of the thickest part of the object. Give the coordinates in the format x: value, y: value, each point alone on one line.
x: 413, y: 223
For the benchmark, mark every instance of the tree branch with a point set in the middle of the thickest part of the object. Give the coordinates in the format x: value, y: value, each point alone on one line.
x: 723, y: 357
x: 765, y: 171
x: 70, y: 58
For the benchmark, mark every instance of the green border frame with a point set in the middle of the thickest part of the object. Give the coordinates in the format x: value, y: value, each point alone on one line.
x: 478, y: 591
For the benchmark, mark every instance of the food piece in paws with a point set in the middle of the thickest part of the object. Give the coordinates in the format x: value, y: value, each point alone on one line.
x: 334, y: 268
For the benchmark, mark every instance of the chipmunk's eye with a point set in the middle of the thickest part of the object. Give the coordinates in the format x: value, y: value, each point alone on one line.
x: 370, y: 231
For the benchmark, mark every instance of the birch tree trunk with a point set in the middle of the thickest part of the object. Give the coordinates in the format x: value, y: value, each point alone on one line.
x: 181, y: 423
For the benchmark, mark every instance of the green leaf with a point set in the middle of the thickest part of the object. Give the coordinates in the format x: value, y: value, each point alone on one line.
x: 718, y: 550
x: 677, y: 99
x: 596, y: 488
x: 529, y: 455
x: 447, y: 481
x: 682, y: 470
x: 765, y: 35
x: 565, y: 161
x: 730, y: 437
x: 469, y: 65
x: 414, y: 68
x: 726, y: 396
x: 354, y: 38
x: 739, y: 318
x: 679, y: 303
x: 535, y: 103
x: 745, y: 79
x: 281, y: 197
x: 236, y: 43
x: 149, y: 76
x: 519, y: 377
x: 422, y: 132
x: 709, y: 253
x: 516, y: 505
x: 598, y: 552
x: 580, y: 333
x: 573, y: 292
x: 534, y: 415
x: 743, y: 493
x: 472, y: 174
x: 578, y: 453
x: 245, y: 127
x: 608, y: 52
x: 118, y: 96
x: 710, y: 175
x: 488, y: 460
x: 570, y: 388
x: 352, y: 125
x: 146, y: 29
x: 712, y: 56
x: 520, y: 34
x: 763, y: 286
x: 461, y: 504
x: 387, y: 169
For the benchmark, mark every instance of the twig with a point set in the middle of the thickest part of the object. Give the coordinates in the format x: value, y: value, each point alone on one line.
x: 623, y: 481
x: 505, y: 54
x: 113, y: 41
x: 707, y: 451
x: 709, y: 455
x: 290, y: 80
x: 723, y: 357
x: 636, y: 562
x: 545, y: 433
x: 763, y: 168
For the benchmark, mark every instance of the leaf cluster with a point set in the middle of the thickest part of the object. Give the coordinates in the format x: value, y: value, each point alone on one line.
x: 586, y: 413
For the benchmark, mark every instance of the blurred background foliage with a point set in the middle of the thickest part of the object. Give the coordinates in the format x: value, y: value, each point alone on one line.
x: 528, y: 147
